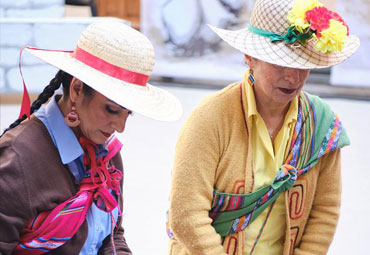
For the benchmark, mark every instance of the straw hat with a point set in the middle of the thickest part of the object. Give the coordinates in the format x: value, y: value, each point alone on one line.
x: 116, y: 60
x: 271, y: 16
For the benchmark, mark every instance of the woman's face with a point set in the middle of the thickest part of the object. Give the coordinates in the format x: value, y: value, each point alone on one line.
x: 100, y: 117
x: 276, y: 83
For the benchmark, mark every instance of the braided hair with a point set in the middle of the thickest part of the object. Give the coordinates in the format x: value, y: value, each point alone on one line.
x: 60, y: 78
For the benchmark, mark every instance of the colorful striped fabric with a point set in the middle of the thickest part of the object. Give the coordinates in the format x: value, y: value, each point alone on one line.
x: 51, y: 229
x: 312, y: 138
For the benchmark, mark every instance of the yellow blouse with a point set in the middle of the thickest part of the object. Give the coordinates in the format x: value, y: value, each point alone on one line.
x: 268, y: 156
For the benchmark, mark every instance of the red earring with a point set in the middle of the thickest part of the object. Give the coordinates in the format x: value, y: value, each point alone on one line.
x: 72, y: 119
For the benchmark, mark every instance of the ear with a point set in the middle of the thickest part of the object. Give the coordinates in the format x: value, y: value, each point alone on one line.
x: 75, y: 89
x: 248, y: 60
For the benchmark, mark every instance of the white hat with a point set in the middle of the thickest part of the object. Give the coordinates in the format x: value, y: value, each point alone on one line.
x: 269, y: 18
x: 116, y: 60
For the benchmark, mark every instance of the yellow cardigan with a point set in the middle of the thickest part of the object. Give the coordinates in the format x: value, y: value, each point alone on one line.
x: 213, y: 151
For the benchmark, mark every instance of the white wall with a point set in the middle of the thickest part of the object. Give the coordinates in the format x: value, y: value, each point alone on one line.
x: 356, y: 70
x: 31, y: 8
x: 45, y: 33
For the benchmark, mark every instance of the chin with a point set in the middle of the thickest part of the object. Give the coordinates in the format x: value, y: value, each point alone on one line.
x: 98, y: 140
x: 101, y: 141
x: 285, y: 98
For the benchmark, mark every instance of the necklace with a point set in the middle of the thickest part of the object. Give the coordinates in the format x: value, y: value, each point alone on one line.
x: 271, y: 133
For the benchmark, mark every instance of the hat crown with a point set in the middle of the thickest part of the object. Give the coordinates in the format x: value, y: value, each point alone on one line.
x: 119, y: 45
x: 271, y: 15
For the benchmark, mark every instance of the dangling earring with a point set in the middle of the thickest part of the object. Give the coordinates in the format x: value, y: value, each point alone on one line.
x: 251, y: 78
x: 72, y: 119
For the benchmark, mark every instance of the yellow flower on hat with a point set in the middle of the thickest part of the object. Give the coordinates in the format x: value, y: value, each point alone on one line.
x: 333, y: 38
x: 297, y: 14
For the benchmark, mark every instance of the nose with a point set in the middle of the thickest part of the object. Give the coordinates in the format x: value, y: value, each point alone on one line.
x: 119, y: 122
x: 292, y: 75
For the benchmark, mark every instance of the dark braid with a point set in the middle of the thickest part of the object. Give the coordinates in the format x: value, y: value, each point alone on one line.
x: 60, y: 77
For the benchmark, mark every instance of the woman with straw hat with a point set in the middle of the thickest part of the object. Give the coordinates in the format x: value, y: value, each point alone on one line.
x: 257, y: 165
x: 60, y: 169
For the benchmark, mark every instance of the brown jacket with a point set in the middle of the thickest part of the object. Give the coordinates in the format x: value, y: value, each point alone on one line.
x: 32, y: 180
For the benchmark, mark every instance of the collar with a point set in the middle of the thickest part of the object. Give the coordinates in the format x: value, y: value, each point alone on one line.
x: 251, y: 101
x: 292, y: 113
x: 65, y: 140
x: 252, y: 107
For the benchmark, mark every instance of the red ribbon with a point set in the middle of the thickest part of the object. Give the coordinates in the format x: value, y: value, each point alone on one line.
x: 26, y: 102
x: 109, y: 69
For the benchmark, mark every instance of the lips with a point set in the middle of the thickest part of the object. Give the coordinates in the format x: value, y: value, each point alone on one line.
x: 287, y: 91
x: 106, y: 134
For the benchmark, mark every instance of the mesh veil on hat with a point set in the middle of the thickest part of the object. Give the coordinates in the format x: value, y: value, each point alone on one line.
x: 116, y: 60
x: 271, y: 15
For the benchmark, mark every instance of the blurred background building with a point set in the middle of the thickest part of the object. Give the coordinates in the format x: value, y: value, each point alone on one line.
x: 177, y: 28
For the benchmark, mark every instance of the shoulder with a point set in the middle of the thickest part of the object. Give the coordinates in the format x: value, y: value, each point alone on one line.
x: 26, y: 136
x: 320, y: 106
x: 326, y: 120
x: 216, y: 117
x: 29, y: 144
x: 229, y: 95
x: 223, y: 103
x: 322, y: 111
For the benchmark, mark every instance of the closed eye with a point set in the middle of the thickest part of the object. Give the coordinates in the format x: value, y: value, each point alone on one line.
x: 111, y: 110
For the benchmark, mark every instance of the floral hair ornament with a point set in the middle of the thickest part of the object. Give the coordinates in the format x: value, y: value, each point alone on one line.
x: 310, y: 20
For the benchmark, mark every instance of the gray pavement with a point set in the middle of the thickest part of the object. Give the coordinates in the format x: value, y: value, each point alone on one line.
x: 148, y: 155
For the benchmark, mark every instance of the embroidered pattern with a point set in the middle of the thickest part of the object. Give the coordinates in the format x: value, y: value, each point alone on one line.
x: 294, y: 232
x: 231, y: 242
x: 297, y: 198
x: 232, y: 245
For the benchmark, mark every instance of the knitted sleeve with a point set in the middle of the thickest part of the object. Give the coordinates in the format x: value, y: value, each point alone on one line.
x: 193, y: 177
x: 323, y: 219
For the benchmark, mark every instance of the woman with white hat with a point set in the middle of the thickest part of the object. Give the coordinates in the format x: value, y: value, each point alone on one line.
x: 60, y: 169
x: 257, y: 165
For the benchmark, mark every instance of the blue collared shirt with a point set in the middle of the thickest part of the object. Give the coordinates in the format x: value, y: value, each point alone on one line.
x: 71, y: 153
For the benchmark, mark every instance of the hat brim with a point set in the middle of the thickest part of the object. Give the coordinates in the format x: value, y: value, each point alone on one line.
x: 282, y: 54
x: 148, y: 100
